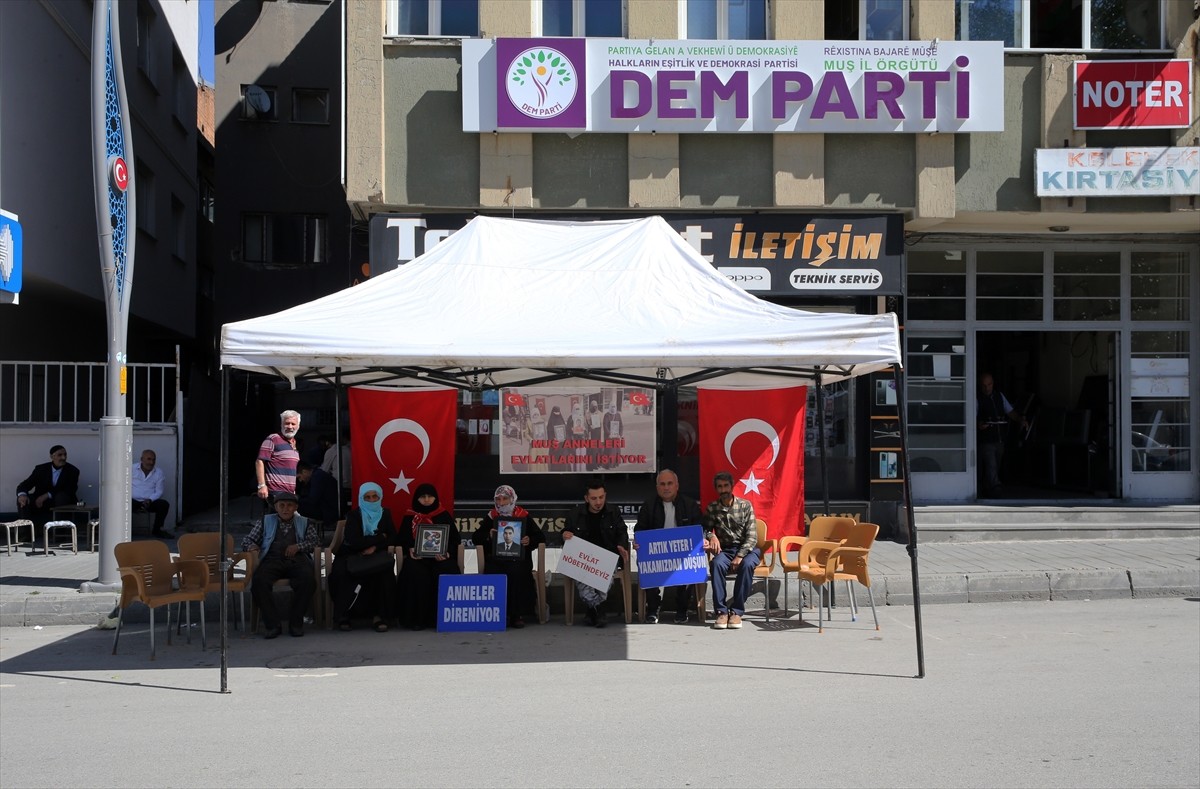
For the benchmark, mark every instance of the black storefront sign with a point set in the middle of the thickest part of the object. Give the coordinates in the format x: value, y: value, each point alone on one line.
x: 766, y: 254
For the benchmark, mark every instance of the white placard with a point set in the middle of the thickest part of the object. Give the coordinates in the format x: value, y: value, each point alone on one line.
x: 587, y: 563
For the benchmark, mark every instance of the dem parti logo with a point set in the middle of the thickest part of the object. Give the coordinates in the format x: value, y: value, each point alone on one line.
x: 542, y: 82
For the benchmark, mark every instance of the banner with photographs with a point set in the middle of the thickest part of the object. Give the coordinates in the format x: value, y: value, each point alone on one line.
x: 569, y: 430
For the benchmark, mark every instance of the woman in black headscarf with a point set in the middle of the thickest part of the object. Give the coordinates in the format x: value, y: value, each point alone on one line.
x: 522, y: 592
x: 556, y: 430
x: 417, y: 585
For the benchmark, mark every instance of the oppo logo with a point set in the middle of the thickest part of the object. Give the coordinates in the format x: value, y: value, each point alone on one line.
x: 748, y: 277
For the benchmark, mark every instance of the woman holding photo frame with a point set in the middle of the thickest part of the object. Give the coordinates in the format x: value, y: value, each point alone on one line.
x: 417, y: 586
x: 509, y: 538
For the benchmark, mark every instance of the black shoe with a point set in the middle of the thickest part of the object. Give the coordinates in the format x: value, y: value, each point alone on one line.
x: 517, y: 623
x: 681, y: 617
x: 345, y: 626
x: 652, y: 618
x: 296, y: 632
x: 273, y: 632
x: 601, y: 620
x: 591, y: 617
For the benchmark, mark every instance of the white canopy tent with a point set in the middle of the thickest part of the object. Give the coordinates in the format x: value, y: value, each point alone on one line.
x: 520, y: 301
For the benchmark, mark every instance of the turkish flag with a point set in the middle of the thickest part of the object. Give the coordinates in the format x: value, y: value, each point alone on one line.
x: 639, y: 398
x: 513, y: 398
x: 402, y: 438
x: 758, y: 436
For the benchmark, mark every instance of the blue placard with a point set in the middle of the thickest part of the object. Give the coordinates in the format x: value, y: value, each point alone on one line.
x: 11, y: 250
x: 472, y: 602
x: 671, y: 557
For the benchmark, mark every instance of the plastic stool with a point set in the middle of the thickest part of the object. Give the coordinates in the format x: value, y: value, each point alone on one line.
x: 16, y: 526
x: 93, y: 533
x: 51, y: 526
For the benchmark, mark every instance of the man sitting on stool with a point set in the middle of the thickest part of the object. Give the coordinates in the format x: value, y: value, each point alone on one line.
x: 147, y: 490
x: 285, y: 542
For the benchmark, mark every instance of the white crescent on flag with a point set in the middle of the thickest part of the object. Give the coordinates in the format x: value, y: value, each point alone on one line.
x: 752, y: 426
x: 401, y: 426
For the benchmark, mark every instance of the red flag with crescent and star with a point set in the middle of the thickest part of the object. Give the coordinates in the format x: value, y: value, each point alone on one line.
x: 758, y: 436
x: 400, y: 439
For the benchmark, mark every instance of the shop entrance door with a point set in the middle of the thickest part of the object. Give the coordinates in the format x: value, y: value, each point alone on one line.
x: 1065, y: 383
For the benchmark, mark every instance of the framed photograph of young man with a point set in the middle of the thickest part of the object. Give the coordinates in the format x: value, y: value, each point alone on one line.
x: 432, y: 540
x: 508, y: 539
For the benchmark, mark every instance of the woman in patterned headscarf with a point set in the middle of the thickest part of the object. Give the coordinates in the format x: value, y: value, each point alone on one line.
x: 368, y: 533
x: 507, y: 514
x: 418, y: 581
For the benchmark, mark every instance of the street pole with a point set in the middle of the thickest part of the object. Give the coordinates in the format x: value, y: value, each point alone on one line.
x: 116, y: 219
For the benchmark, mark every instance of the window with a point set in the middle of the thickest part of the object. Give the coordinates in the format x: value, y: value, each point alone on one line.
x: 145, y: 39
x: 1159, y: 285
x: 310, y: 105
x: 1160, y: 421
x: 1082, y: 24
x: 144, y: 189
x: 1087, y: 286
x: 283, y: 240
x: 185, y: 92
x: 178, y: 228
x: 208, y: 200
x: 258, y: 103
x: 1008, y: 286
x: 595, y: 18
x: 937, y: 286
x: 726, y: 19
x: 866, y: 20
x: 433, y: 18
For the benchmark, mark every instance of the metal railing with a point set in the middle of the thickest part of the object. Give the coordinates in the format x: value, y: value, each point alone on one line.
x: 73, y: 392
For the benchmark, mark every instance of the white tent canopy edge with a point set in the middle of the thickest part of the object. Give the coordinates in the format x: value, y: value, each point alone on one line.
x: 508, y: 301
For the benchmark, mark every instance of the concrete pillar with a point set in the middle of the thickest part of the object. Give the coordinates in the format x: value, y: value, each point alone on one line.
x: 506, y: 160
x: 364, y: 103
x: 934, y: 153
x: 653, y: 158
x: 799, y: 159
x: 1186, y: 40
x: 1058, y: 121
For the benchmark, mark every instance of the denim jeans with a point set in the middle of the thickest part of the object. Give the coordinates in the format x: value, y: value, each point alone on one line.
x: 741, y: 586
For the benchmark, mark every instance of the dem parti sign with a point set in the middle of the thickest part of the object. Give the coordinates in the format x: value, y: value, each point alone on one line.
x: 643, y: 86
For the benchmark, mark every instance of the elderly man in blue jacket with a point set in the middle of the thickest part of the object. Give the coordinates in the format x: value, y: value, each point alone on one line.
x: 284, y: 542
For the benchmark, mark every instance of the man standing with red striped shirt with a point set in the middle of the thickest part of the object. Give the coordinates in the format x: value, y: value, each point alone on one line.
x: 275, y: 467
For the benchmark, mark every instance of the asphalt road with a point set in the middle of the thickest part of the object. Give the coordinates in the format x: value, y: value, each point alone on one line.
x: 1064, y: 694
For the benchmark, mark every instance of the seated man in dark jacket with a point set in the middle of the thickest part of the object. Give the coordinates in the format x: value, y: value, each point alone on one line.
x: 318, y: 493
x: 600, y: 524
x: 53, y: 484
x: 666, y: 510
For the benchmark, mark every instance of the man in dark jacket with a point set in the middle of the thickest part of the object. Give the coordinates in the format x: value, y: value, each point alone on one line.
x: 318, y: 494
x: 666, y: 510
x: 53, y: 484
x: 600, y: 524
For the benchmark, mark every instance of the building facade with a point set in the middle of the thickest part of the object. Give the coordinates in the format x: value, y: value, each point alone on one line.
x: 1078, y: 306
x: 53, y: 341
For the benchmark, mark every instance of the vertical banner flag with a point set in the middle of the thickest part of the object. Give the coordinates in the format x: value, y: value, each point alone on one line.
x: 758, y: 436
x: 400, y: 439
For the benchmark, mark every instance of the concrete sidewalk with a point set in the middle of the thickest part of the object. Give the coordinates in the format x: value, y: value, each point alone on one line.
x: 44, y: 590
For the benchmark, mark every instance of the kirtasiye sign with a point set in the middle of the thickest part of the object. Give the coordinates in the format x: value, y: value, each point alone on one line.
x: 1118, y: 172
x: 643, y: 86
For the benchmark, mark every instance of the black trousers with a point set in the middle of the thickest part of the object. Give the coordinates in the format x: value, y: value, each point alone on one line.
x: 682, y: 594
x: 298, y: 570
x: 159, y: 507
x: 374, y: 598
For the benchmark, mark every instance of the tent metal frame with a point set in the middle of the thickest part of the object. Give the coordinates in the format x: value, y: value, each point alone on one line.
x: 479, y: 378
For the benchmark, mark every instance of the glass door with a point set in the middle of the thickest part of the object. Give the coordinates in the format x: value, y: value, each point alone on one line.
x: 937, y: 417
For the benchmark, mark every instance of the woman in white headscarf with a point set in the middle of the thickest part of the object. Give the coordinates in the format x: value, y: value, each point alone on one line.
x: 364, y: 571
x: 507, y: 514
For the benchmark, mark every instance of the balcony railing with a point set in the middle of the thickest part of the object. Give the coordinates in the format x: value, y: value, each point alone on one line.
x: 73, y: 392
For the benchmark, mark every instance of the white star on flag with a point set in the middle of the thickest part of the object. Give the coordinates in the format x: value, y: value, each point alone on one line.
x: 401, y: 483
x: 751, y: 483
